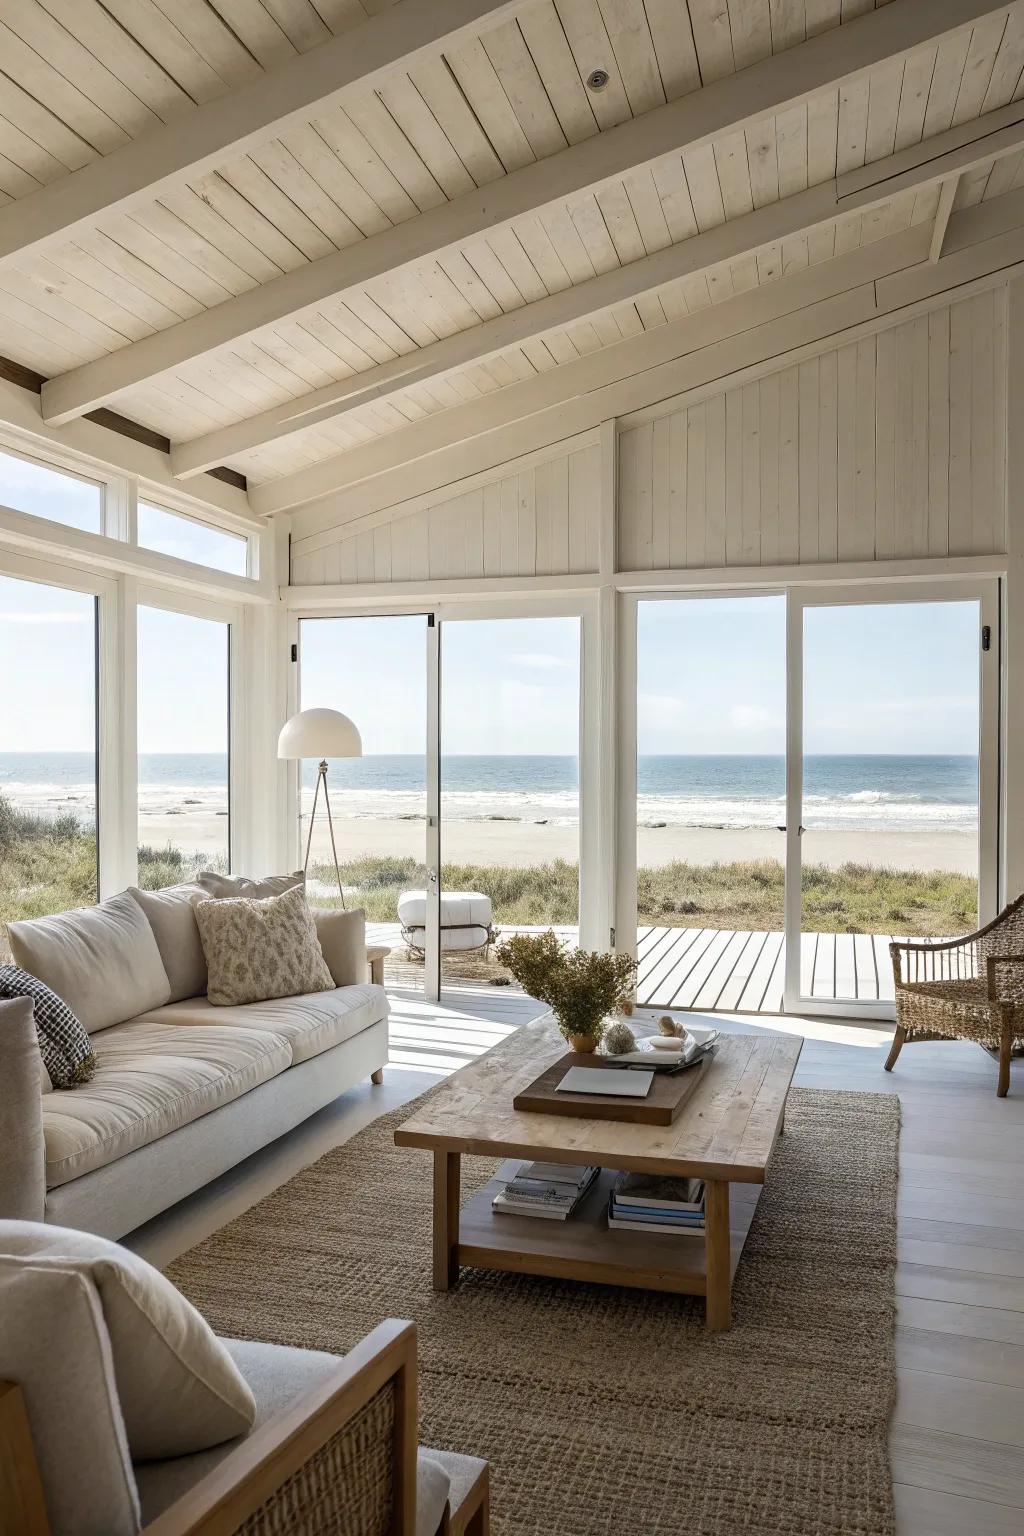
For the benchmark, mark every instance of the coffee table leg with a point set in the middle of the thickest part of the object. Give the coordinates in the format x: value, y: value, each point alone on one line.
x: 446, y: 1220
x: 716, y: 1238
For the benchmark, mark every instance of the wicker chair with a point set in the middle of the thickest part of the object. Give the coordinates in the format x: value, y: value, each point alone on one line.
x: 964, y: 989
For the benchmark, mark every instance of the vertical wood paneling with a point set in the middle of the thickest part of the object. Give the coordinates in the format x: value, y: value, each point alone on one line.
x: 539, y: 520
x: 890, y: 447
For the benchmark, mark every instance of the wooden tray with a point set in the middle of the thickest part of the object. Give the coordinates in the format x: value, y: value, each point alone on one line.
x: 665, y: 1098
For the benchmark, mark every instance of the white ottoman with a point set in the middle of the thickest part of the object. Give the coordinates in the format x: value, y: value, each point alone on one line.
x: 465, y: 919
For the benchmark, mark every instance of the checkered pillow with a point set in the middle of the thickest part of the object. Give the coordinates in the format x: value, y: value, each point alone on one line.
x: 65, y: 1047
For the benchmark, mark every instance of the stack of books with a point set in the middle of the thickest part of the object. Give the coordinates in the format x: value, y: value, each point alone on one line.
x: 649, y: 1203
x: 550, y: 1190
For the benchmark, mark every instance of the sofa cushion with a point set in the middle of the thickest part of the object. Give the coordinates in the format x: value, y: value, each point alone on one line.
x: 260, y: 948
x: 54, y: 1343
x: 64, y: 1046
x: 310, y: 1024
x: 179, y: 1389
x: 342, y: 937
x: 152, y: 1078
x: 240, y: 885
x: 278, y: 1375
x: 170, y: 915
x: 103, y: 960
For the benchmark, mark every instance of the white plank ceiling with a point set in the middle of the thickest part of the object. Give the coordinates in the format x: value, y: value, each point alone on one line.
x: 81, y: 78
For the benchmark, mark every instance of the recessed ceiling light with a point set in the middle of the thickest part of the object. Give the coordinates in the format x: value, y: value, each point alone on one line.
x: 597, y: 79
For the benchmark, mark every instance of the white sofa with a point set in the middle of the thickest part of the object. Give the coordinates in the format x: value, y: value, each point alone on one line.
x: 182, y: 1090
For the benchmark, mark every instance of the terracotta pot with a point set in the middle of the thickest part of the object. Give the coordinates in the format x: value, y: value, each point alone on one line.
x: 583, y: 1043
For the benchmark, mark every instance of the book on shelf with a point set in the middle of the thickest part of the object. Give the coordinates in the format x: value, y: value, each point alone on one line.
x: 551, y: 1191
x: 643, y: 1202
x: 655, y: 1224
x: 659, y: 1192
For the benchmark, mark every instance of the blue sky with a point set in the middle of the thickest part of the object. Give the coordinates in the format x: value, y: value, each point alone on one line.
x: 898, y: 678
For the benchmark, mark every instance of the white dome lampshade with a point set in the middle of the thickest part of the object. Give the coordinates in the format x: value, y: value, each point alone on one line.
x: 319, y: 733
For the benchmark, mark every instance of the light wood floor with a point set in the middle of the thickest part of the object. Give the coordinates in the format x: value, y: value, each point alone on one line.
x: 958, y: 1427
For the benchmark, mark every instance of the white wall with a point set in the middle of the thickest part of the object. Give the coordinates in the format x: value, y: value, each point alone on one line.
x: 890, y: 447
x: 537, y: 519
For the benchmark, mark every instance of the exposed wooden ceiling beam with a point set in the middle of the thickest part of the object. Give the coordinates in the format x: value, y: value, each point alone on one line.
x: 679, y: 341
x: 729, y: 104
x: 197, y: 141
x: 651, y: 366
x: 947, y: 196
x: 998, y: 133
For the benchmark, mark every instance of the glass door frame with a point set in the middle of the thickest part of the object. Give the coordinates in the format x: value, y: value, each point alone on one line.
x: 985, y: 591
x: 596, y: 806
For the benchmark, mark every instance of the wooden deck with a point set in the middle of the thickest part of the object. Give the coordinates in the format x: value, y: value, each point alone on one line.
x: 711, y: 969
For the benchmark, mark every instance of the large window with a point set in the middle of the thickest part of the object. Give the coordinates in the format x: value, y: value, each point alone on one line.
x: 26, y: 486
x: 183, y: 712
x: 48, y: 783
x: 171, y: 533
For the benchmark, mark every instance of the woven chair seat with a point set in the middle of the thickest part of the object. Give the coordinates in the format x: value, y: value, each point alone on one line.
x: 958, y: 1008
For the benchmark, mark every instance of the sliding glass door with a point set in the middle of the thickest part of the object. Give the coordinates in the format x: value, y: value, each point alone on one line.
x: 373, y: 669
x: 711, y: 792
x: 509, y: 786
x: 892, y: 793
x: 816, y: 775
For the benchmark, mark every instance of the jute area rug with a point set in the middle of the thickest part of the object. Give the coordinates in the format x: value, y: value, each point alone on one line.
x: 605, y: 1410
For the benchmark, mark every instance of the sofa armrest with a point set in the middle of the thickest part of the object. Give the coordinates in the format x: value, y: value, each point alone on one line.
x: 344, y: 1452
x: 23, y: 1159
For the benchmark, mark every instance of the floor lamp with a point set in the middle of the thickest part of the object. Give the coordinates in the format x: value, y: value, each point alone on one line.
x: 320, y: 733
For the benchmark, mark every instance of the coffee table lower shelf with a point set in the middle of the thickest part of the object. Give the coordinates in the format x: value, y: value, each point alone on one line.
x: 584, y: 1247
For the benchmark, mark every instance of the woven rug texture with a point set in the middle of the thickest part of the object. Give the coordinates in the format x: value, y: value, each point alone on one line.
x: 605, y: 1410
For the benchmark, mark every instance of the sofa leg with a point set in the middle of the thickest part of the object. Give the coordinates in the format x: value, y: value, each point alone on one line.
x: 378, y: 1076
x: 898, y: 1041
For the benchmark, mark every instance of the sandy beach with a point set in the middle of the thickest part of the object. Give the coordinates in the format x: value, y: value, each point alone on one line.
x: 521, y: 843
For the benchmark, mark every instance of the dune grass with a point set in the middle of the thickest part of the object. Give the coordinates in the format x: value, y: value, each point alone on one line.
x: 855, y: 898
x: 50, y: 865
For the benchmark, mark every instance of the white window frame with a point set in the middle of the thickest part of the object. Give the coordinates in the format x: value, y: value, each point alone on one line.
x: 800, y: 595
x: 596, y: 816
x: 172, y: 601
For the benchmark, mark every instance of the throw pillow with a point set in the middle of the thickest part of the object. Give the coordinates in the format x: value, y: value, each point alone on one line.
x: 54, y: 1343
x: 240, y: 885
x: 173, y: 922
x: 342, y: 937
x: 258, y: 950
x: 103, y: 960
x: 63, y: 1043
x: 178, y: 1387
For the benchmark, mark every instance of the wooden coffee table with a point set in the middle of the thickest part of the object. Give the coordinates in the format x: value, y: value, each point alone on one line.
x: 724, y: 1135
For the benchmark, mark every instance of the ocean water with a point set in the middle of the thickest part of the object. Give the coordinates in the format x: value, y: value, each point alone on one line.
x: 891, y: 793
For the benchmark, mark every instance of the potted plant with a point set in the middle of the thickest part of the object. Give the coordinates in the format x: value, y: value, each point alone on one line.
x: 581, y: 987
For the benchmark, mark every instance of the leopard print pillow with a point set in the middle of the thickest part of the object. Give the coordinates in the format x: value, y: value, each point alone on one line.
x: 260, y: 949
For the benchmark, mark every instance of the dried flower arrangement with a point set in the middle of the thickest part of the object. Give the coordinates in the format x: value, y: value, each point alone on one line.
x: 580, y: 986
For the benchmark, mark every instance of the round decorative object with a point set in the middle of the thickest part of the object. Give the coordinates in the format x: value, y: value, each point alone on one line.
x: 671, y: 1027
x: 619, y: 1039
x: 583, y: 1043
x: 597, y: 79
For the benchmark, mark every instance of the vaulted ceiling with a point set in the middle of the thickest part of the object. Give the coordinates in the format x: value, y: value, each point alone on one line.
x: 277, y: 231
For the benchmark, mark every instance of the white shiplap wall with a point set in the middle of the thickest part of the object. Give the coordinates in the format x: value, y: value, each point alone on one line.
x: 890, y: 447
x: 540, y: 519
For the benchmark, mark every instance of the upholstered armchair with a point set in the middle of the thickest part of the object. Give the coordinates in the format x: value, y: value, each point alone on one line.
x: 964, y: 989
x: 332, y: 1448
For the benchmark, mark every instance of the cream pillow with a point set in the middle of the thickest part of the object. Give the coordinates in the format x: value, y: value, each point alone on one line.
x: 179, y: 1389
x: 103, y: 960
x: 240, y: 885
x: 258, y: 950
x: 342, y: 937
